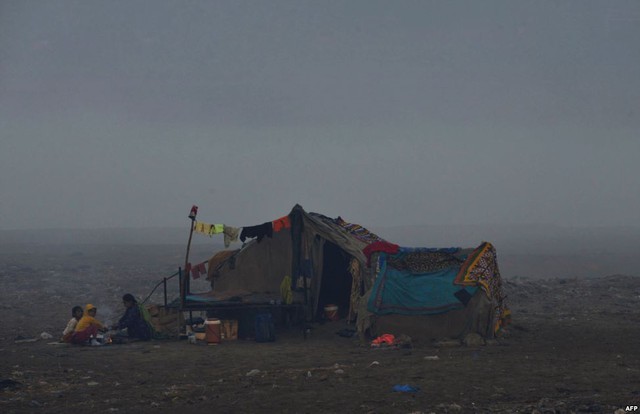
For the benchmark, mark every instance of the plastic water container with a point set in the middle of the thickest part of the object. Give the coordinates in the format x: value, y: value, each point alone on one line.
x: 212, y: 330
x: 331, y: 312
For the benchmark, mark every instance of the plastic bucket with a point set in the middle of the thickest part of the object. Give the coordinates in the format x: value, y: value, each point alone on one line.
x: 212, y: 330
x: 331, y: 312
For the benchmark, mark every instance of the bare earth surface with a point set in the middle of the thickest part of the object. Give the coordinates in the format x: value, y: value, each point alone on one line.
x: 573, y: 346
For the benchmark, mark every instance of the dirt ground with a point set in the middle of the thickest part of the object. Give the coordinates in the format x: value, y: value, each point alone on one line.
x: 573, y: 346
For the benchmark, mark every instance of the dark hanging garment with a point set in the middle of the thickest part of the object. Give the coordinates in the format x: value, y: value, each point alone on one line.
x: 265, y: 328
x: 264, y: 229
x: 297, y: 227
x: 463, y: 296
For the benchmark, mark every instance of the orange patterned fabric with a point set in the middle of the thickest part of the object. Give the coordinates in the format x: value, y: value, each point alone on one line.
x: 481, y: 268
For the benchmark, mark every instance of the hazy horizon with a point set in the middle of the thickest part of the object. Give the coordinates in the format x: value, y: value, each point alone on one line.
x: 522, y: 252
x: 402, y: 226
x: 123, y: 114
x: 529, y: 238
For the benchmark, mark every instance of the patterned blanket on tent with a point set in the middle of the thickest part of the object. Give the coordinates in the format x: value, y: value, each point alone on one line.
x: 481, y: 268
x: 418, y: 282
x: 358, y: 231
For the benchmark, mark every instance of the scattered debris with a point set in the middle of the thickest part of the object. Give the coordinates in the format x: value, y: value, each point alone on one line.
x: 403, y: 341
x: 473, y: 339
x: 21, y: 339
x: 9, y: 383
x: 405, y: 388
x: 447, y: 343
x: 346, y: 333
x: 46, y: 335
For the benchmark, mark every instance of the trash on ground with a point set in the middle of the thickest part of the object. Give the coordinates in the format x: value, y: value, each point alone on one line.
x: 405, y: 388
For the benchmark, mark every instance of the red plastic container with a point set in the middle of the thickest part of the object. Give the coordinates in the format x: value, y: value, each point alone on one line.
x: 212, y: 330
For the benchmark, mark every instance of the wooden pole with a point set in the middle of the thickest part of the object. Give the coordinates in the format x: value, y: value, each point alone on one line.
x: 183, y: 285
x: 164, y: 283
x: 178, y: 325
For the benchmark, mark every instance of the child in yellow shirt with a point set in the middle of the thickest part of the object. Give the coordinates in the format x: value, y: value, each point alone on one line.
x: 87, y: 326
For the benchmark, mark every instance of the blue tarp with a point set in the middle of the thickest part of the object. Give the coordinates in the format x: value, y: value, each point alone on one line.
x: 410, y: 293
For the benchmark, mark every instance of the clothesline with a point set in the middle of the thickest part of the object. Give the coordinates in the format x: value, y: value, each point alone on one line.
x: 196, y: 270
x: 232, y: 233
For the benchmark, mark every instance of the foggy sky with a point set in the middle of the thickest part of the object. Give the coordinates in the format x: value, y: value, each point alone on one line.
x: 125, y: 113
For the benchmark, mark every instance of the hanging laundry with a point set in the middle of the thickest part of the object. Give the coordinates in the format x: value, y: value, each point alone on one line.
x: 195, y: 272
x: 305, y: 268
x: 264, y: 229
x: 230, y: 235
x: 202, y: 227
x: 202, y: 268
x: 285, y: 290
x: 281, y: 223
x: 218, y: 260
x: 216, y: 229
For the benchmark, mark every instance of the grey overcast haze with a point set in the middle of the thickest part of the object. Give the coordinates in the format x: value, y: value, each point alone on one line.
x: 125, y: 113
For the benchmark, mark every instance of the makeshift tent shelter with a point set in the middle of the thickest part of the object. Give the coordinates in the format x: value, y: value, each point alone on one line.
x: 433, y: 293
x: 315, y: 261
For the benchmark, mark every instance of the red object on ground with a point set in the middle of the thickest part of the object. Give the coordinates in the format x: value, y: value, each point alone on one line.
x: 383, y: 339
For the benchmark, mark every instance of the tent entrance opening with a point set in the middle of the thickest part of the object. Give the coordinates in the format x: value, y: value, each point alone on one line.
x: 336, y: 279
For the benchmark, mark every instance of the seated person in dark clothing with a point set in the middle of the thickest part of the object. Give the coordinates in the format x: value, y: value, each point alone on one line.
x: 133, y: 321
